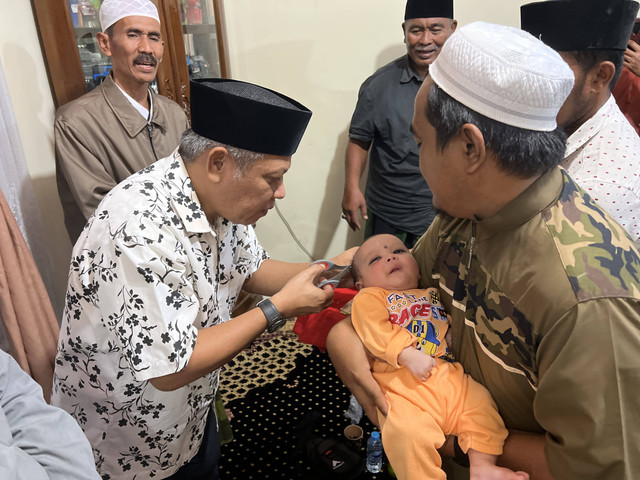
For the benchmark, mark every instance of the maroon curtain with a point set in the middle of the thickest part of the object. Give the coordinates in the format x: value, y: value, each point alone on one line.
x: 30, y: 323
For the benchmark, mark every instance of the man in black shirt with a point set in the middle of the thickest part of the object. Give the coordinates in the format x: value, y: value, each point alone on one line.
x: 397, y: 199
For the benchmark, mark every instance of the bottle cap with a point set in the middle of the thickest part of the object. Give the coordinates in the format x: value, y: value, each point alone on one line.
x: 375, y: 434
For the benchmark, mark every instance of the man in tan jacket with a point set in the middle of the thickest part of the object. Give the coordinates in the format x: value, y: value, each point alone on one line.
x: 122, y: 126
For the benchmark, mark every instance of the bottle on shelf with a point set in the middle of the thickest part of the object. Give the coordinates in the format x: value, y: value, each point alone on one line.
x: 87, y: 15
x: 73, y: 6
x: 194, y: 12
x: 374, y: 453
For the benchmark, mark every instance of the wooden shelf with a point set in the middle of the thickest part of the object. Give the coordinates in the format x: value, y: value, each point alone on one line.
x: 199, y: 29
x: 82, y: 31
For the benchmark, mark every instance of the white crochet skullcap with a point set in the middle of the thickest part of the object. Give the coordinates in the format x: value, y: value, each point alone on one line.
x: 505, y: 74
x: 113, y: 10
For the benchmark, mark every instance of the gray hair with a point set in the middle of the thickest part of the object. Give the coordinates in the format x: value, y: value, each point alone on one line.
x: 193, y: 145
x: 520, y: 152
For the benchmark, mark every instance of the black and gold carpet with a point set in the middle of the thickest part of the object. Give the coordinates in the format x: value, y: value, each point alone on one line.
x: 270, y: 388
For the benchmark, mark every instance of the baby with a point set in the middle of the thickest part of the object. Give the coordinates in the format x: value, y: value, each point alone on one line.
x: 404, y: 328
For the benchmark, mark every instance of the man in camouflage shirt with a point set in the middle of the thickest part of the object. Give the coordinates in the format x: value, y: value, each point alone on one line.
x: 543, y: 287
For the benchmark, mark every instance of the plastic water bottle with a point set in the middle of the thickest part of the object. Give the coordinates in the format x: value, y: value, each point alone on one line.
x: 374, y: 453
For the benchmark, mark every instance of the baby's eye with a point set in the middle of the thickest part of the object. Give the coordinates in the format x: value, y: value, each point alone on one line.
x: 400, y: 250
x: 374, y: 260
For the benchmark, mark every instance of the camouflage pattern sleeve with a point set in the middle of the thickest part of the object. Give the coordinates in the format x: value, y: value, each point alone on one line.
x: 587, y: 398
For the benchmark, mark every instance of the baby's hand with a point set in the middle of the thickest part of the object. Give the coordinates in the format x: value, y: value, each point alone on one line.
x: 448, y: 341
x: 418, y: 362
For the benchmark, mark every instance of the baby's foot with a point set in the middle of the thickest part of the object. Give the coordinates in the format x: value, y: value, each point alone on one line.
x: 489, y: 471
x: 483, y: 467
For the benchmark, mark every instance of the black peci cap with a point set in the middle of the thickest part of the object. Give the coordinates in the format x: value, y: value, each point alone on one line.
x: 428, y: 9
x: 567, y: 25
x: 247, y: 116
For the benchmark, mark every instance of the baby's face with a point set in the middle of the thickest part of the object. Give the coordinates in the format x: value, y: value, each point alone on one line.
x: 384, y: 261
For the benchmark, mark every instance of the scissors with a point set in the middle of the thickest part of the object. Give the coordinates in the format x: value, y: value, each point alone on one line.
x: 332, y: 273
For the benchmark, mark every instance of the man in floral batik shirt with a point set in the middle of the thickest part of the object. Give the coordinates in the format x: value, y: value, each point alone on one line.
x: 154, y: 277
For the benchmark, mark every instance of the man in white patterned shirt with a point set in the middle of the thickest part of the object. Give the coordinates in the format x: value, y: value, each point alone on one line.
x: 603, y: 149
x: 156, y: 273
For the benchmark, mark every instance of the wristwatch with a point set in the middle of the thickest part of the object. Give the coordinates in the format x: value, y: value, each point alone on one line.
x: 275, y: 320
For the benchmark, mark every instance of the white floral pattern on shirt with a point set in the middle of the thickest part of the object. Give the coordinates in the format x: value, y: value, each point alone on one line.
x: 603, y: 157
x: 147, y: 272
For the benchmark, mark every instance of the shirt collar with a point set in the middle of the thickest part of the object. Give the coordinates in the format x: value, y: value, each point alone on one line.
x: 408, y: 74
x: 141, y: 110
x: 128, y: 116
x: 539, y: 195
x: 590, y: 128
x: 184, y: 199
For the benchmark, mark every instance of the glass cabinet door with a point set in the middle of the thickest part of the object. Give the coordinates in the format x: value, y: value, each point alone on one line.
x: 86, y: 24
x: 200, y: 38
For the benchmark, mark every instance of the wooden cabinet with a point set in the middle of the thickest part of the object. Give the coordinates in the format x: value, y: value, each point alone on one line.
x: 193, y: 32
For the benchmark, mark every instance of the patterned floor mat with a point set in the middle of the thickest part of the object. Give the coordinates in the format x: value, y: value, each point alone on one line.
x: 269, y: 358
x: 269, y: 388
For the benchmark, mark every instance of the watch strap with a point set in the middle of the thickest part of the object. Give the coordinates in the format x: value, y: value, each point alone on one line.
x: 275, y: 319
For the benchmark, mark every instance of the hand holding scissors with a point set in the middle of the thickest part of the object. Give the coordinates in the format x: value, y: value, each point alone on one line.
x: 332, y: 273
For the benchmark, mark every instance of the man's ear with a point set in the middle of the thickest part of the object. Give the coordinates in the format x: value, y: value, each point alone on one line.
x: 601, y: 75
x: 104, y: 42
x: 404, y: 33
x: 358, y: 285
x: 218, y: 163
x: 475, y: 151
x: 454, y: 25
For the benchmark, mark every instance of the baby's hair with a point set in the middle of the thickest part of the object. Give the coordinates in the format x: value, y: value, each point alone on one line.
x: 355, y: 275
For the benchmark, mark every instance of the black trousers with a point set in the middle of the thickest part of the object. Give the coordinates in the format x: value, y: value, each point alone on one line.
x: 204, y: 465
x: 375, y: 226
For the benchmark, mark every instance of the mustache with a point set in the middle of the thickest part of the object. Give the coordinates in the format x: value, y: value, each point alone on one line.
x: 146, y: 58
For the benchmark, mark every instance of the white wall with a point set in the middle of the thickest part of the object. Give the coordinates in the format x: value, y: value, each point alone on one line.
x: 26, y: 77
x: 316, y: 51
x: 319, y: 52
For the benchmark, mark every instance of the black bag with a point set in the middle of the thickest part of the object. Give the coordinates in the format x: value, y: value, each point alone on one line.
x: 329, y: 458
x: 335, y: 458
